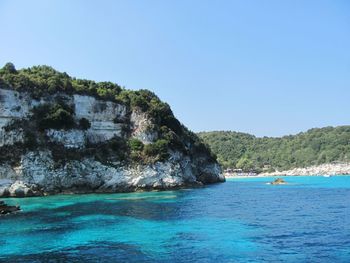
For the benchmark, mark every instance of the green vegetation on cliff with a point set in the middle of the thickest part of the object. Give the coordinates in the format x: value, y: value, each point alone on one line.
x: 316, y: 146
x: 43, y: 81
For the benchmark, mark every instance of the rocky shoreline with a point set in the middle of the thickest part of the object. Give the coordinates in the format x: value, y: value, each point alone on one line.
x: 36, y: 176
x: 323, y: 169
x: 316, y: 170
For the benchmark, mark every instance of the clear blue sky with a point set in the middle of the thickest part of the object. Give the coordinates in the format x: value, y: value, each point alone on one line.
x: 264, y: 67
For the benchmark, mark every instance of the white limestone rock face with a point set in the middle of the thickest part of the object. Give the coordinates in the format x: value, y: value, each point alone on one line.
x: 10, y: 188
x: 14, y: 105
x: 10, y: 137
x: 36, y: 168
x: 101, y: 131
x: 97, y: 110
x: 142, y: 127
x: 35, y: 172
x: 69, y: 139
x: 37, y: 175
x: 105, y: 117
x: 22, y: 189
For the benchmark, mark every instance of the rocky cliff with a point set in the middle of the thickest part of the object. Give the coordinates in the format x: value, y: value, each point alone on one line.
x: 55, y: 139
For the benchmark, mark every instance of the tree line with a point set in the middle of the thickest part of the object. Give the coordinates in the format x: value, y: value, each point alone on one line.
x: 313, y: 147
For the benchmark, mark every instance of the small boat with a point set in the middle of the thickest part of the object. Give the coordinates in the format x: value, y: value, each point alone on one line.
x: 326, y: 175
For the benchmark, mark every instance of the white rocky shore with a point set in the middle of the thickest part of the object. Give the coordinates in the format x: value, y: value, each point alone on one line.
x: 37, y: 176
x: 323, y: 169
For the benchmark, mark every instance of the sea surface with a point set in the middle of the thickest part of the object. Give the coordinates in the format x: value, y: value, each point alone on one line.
x: 242, y: 220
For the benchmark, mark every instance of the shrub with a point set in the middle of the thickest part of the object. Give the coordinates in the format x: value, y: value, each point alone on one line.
x: 9, y: 68
x: 119, y: 148
x: 44, y: 80
x: 158, y: 149
x: 139, y: 101
x: 57, y: 116
x: 174, y: 141
x: 84, y: 124
x: 135, y: 145
x: 58, y: 119
x: 118, y: 144
x: 30, y: 140
x: 172, y: 123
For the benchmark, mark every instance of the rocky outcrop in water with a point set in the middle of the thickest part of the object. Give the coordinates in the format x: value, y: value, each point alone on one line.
x: 37, y: 175
x: 115, y: 152
x: 7, y: 209
x: 278, y: 181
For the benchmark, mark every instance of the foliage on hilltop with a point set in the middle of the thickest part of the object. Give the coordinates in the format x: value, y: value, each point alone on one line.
x: 316, y: 146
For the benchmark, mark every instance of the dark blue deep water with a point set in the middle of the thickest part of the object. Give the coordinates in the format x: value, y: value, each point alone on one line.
x: 242, y: 220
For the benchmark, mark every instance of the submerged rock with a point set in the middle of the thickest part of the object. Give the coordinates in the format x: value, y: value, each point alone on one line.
x: 7, y: 209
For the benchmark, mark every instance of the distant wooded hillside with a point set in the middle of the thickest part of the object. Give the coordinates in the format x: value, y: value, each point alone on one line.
x: 245, y: 151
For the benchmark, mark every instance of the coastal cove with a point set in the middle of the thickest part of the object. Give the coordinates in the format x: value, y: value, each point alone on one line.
x: 305, y: 219
x: 174, y: 131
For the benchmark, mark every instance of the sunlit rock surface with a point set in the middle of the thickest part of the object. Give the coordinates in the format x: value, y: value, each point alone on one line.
x: 36, y: 172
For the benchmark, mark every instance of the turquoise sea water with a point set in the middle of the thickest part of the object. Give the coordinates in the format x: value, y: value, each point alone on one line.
x: 242, y: 220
